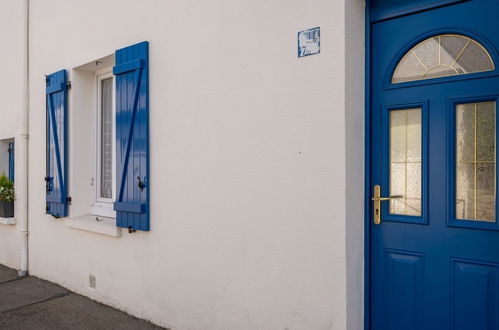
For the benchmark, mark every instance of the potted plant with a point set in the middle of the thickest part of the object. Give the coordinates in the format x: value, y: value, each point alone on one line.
x: 7, y: 197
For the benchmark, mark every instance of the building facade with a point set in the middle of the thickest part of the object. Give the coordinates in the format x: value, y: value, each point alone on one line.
x: 212, y: 164
x: 247, y: 146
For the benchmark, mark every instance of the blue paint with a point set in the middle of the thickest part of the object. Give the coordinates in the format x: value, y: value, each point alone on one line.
x: 128, y: 67
x: 11, y: 161
x: 137, y: 208
x: 387, y: 9
x: 309, y: 42
x: 56, y: 144
x: 433, y: 271
x: 132, y: 137
x: 467, y: 307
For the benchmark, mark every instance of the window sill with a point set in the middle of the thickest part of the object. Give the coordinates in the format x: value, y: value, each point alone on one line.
x: 103, y: 210
x: 106, y: 226
x: 8, y: 221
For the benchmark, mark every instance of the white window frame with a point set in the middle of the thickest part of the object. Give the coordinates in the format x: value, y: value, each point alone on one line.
x: 103, y: 206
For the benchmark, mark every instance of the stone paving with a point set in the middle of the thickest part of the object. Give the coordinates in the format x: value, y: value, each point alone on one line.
x: 32, y: 303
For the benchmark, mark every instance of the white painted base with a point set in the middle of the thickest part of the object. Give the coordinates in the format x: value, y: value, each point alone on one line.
x: 104, y: 226
x: 8, y: 221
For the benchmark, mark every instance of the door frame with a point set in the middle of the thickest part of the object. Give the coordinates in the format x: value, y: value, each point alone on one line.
x: 367, y: 168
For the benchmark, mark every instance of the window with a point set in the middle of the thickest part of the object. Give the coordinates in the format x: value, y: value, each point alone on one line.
x: 109, y: 159
x: 92, y: 140
x: 476, y: 161
x: 405, y: 162
x: 442, y: 56
x: 7, y: 158
x: 104, y: 174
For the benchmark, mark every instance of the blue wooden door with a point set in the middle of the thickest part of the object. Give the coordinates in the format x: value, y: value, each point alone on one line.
x: 435, y: 247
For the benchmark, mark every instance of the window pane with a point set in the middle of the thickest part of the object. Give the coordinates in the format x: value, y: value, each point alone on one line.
x: 475, y: 161
x: 405, y: 162
x: 442, y: 56
x: 106, y: 147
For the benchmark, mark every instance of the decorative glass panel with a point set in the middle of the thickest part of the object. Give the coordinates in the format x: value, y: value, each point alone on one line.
x: 106, y: 147
x: 405, y: 162
x: 475, y: 161
x: 442, y: 56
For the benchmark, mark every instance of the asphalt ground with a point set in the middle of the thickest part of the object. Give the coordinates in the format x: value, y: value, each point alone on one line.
x: 31, y: 303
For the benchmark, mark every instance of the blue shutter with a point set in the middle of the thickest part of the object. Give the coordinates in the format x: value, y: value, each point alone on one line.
x: 132, y: 137
x: 11, y: 161
x: 55, y: 181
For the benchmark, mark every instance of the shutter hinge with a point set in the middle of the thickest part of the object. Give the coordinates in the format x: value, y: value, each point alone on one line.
x: 46, y: 80
x: 47, y: 209
x: 69, y: 200
x: 68, y: 84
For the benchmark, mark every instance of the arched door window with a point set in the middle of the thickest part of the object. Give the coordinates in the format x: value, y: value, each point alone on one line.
x: 442, y: 56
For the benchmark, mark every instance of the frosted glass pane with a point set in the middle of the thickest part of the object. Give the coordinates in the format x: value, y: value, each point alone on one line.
x: 413, y: 207
x: 397, y: 206
x: 474, y: 59
x: 465, y: 128
x: 398, y: 180
x: 485, y: 199
x: 413, y: 180
x: 414, y: 136
x: 451, y: 46
x: 427, y: 52
x: 398, y: 136
x: 439, y: 71
x: 475, y: 157
x: 485, y: 131
x: 465, y: 191
x: 410, y: 68
x: 405, y: 162
x: 442, y: 56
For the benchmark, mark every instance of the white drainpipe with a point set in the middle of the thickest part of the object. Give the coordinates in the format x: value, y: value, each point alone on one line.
x: 21, y: 163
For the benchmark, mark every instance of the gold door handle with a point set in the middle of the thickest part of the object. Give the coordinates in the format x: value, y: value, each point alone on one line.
x: 377, y: 199
x: 381, y: 199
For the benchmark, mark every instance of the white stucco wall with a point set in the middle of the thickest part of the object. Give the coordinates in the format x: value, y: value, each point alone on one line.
x: 13, y: 36
x: 256, y: 157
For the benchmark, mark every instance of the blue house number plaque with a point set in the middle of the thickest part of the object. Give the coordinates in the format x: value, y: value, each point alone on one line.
x: 309, y: 42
